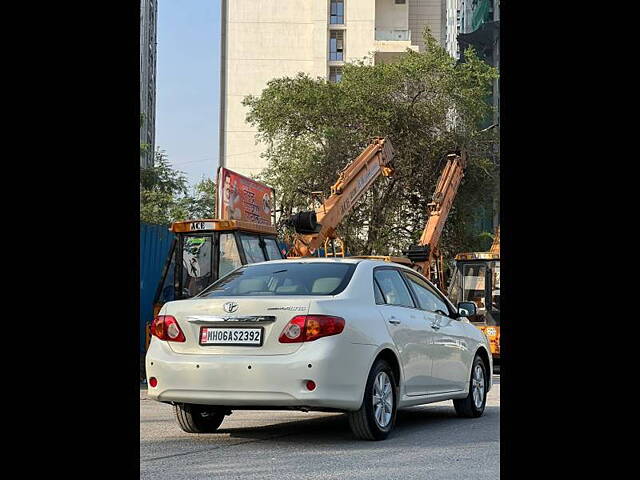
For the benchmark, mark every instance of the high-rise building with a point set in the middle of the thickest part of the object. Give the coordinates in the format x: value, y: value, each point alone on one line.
x: 148, y: 29
x: 267, y: 39
x: 480, y: 28
x: 453, y: 27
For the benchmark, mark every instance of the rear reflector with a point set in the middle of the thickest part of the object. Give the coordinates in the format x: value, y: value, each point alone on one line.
x: 153, y: 381
x: 165, y: 327
x: 307, y: 328
x: 311, y: 385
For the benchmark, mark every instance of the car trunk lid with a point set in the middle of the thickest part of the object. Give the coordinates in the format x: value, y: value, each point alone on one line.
x: 270, y: 315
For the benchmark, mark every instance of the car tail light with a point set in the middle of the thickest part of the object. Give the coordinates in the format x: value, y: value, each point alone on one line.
x: 307, y: 328
x: 166, y: 327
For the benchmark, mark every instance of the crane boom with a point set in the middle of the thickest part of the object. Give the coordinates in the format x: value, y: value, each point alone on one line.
x: 426, y: 254
x: 495, y: 246
x: 354, y: 180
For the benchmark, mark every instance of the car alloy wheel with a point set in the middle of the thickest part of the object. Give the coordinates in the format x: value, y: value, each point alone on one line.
x: 376, y: 416
x: 382, y: 400
x: 473, y: 404
x: 478, y: 386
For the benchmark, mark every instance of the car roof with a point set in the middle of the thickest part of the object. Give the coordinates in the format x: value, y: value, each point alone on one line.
x: 313, y: 260
x: 350, y: 260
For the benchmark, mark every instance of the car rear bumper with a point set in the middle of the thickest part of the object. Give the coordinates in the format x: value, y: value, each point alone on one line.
x: 339, y: 370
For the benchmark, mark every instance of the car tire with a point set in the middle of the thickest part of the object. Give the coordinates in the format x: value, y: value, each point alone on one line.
x: 199, y: 418
x: 364, y: 423
x: 473, y: 405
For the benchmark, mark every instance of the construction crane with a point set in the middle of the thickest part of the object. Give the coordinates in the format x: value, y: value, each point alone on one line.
x: 426, y: 254
x: 317, y: 228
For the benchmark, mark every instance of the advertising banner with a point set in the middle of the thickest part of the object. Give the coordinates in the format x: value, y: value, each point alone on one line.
x: 240, y: 198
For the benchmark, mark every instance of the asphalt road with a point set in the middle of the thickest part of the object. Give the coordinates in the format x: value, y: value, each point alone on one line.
x: 427, y: 442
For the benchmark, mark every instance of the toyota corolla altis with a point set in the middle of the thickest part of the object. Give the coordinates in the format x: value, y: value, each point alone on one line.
x: 361, y: 336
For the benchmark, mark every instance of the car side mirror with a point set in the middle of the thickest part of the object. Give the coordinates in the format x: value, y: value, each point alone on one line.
x: 466, y: 309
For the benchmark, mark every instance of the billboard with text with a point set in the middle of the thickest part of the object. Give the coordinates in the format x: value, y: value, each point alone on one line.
x: 240, y: 198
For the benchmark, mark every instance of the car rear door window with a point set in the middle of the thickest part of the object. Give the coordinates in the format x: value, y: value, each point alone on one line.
x: 394, y: 290
x: 378, y: 293
x: 428, y: 299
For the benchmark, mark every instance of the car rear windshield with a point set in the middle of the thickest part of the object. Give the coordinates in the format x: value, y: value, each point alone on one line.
x: 280, y: 279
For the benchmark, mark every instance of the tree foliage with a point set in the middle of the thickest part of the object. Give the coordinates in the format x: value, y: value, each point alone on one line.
x: 165, y: 196
x: 425, y: 103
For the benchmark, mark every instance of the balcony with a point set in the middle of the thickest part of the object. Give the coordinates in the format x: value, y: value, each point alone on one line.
x: 392, y: 36
x: 389, y: 49
x: 385, y: 35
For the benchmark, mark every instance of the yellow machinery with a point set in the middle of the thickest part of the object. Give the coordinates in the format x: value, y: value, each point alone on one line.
x: 204, y: 250
x: 476, y: 278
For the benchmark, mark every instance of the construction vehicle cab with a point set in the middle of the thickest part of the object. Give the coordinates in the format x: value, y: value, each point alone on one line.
x: 205, y: 250
x: 476, y: 278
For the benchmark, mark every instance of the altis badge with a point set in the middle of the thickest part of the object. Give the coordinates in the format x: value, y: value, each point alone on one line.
x: 289, y: 308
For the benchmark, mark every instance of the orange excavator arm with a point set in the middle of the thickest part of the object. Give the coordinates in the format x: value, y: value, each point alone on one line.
x: 495, y: 246
x: 314, y: 227
x: 426, y: 255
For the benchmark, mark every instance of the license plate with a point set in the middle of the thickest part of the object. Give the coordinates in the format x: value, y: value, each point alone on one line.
x: 231, y: 336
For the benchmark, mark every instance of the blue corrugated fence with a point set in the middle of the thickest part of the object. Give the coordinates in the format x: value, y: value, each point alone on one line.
x: 155, y: 241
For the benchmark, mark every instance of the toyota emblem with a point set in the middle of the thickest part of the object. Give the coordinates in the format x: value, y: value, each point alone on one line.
x: 230, y: 307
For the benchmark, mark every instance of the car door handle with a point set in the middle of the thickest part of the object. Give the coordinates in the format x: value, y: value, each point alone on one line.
x: 394, y: 321
x: 435, y: 326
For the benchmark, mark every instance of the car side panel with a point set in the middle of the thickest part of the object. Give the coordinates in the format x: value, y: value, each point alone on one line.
x: 413, y: 339
x: 453, y: 352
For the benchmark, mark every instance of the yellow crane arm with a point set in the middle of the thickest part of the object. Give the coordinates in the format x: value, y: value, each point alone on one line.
x: 426, y: 254
x: 495, y: 246
x: 354, y: 180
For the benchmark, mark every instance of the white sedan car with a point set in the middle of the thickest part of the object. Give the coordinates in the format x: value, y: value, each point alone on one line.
x: 361, y: 336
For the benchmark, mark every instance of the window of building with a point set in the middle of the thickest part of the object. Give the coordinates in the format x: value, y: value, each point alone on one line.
x: 336, y: 45
x: 335, y: 74
x: 401, y: 2
x: 336, y: 12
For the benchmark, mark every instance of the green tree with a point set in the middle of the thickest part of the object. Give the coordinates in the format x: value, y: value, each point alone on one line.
x: 201, y: 202
x: 425, y: 103
x: 165, y: 196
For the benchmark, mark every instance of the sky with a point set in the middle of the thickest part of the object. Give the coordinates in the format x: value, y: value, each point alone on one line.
x: 188, y: 85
